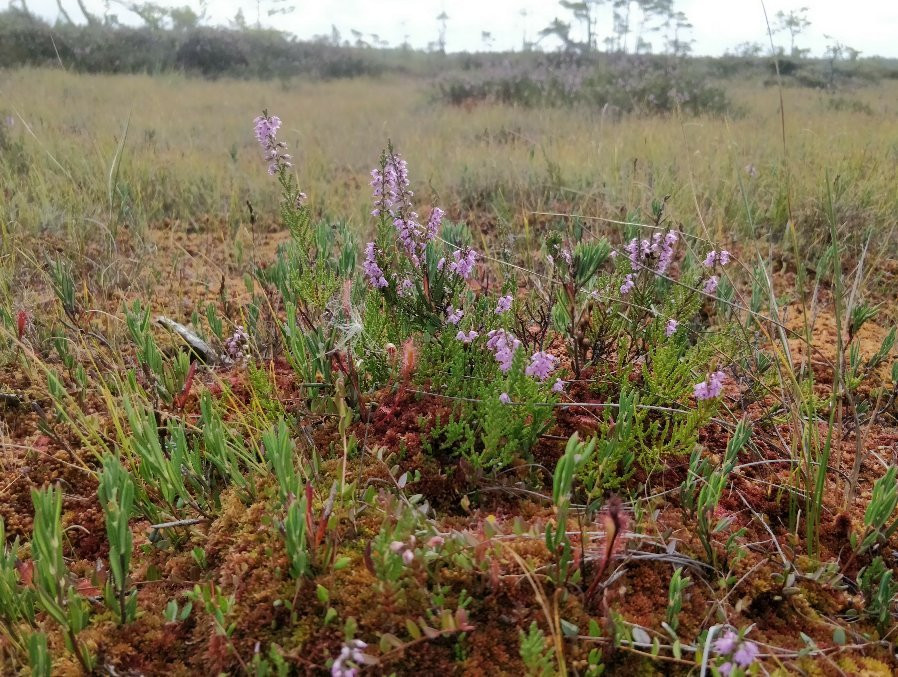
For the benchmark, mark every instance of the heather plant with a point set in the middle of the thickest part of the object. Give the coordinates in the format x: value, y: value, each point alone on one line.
x: 642, y: 85
x: 420, y: 274
x: 499, y: 410
x: 536, y: 652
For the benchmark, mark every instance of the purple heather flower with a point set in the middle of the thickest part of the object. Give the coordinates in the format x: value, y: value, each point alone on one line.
x: 467, y: 338
x: 503, y: 305
x: 433, y: 223
x: 266, y: 128
x: 503, y: 344
x: 746, y: 654
x: 454, y: 316
x: 636, y: 251
x: 237, y: 344
x: 726, y: 669
x: 393, y: 200
x: 408, y: 557
x: 666, y: 246
x: 441, y: 263
x: 714, y: 257
x: 628, y: 284
x: 727, y: 644
x: 373, y: 272
x: 710, y: 389
x: 671, y: 327
x: 405, y: 287
x: 353, y: 650
x: 558, y: 386
x: 463, y: 265
x: 504, y: 398
x: 541, y: 365
x: 710, y: 285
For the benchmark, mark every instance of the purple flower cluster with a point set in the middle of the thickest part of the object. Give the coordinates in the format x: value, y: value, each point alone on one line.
x: 711, y: 387
x: 467, y: 338
x: 629, y: 283
x: 462, y: 264
x: 541, y: 365
x: 721, y: 258
x: 266, y: 128
x: 710, y: 285
x: 393, y: 199
x: 714, y: 257
x: 373, y: 272
x: 504, y: 398
x: 237, y: 344
x: 504, y: 304
x: 558, y: 386
x: 434, y: 223
x: 406, y: 550
x: 738, y: 652
x: 671, y: 328
x: 454, y: 316
x: 391, y: 187
x: 503, y: 344
x: 353, y: 650
x: 661, y: 246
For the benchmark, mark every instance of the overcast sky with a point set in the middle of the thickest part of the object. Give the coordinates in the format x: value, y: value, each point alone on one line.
x: 870, y: 26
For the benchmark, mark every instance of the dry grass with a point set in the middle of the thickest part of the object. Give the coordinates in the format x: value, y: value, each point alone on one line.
x: 189, y: 151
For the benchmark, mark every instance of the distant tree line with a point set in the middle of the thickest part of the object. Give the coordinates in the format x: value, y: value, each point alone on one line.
x: 170, y: 40
x: 179, y: 39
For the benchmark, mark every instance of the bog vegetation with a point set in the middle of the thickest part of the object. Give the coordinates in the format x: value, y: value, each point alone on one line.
x: 553, y: 365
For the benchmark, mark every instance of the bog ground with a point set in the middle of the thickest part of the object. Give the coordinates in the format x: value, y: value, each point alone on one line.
x: 391, y: 376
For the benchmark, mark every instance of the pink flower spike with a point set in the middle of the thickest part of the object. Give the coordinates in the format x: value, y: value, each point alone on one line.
x: 558, y: 386
x: 504, y: 398
x: 671, y: 327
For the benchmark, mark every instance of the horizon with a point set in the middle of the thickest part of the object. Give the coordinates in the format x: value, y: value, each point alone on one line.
x: 505, y: 25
